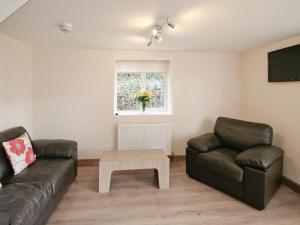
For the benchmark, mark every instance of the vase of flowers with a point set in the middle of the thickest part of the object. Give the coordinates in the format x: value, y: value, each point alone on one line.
x: 144, y: 97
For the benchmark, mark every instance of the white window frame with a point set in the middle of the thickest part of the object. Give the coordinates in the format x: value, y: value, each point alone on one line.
x: 149, y: 111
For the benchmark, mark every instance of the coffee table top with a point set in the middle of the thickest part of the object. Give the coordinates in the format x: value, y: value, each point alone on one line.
x: 133, y: 155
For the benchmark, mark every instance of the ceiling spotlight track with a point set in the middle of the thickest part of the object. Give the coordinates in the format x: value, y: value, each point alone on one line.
x: 156, y: 33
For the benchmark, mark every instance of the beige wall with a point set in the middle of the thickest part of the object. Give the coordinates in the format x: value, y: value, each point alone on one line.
x: 73, y: 95
x: 274, y: 103
x: 15, y: 84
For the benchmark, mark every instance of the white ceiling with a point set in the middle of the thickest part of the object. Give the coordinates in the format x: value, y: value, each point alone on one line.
x: 207, y: 25
x: 8, y: 7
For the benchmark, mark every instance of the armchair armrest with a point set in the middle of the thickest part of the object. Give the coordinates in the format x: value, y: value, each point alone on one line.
x: 205, y: 142
x: 55, y: 148
x: 260, y: 157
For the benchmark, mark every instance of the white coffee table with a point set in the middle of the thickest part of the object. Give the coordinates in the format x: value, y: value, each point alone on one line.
x: 133, y: 160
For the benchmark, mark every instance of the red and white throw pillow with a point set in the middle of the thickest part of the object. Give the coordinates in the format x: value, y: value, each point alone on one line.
x: 19, y: 152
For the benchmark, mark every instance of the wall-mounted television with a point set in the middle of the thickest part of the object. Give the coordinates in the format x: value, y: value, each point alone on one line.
x: 284, y: 64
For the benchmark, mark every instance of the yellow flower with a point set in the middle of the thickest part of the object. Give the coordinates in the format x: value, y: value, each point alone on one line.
x: 139, y: 93
x: 149, y: 94
x: 146, y: 94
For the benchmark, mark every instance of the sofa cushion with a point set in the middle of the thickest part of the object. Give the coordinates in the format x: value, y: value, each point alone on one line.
x: 19, y: 152
x: 54, y: 148
x: 22, y: 203
x: 241, y: 135
x: 56, y: 172
x: 222, y: 161
x: 5, y: 167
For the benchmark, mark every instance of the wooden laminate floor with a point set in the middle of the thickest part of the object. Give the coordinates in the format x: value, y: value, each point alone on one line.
x: 135, y: 200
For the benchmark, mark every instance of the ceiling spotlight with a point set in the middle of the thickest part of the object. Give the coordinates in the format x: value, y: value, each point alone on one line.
x: 154, y: 32
x: 149, y: 44
x: 172, y: 25
x: 65, y: 27
x: 158, y: 30
x: 159, y: 39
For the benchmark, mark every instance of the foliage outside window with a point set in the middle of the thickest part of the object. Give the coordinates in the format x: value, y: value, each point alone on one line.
x: 128, y: 84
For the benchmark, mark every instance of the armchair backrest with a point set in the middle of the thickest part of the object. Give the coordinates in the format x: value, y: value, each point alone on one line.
x: 5, y: 167
x: 241, y: 135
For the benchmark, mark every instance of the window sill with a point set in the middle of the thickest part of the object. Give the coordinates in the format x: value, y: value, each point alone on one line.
x: 140, y: 113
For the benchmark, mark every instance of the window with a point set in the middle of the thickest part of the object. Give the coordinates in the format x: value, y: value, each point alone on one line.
x: 144, y: 75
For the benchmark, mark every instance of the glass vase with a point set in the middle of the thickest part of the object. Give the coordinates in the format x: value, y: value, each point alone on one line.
x: 143, y: 106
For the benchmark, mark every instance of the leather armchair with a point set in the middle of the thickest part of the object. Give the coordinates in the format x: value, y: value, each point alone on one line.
x: 237, y: 158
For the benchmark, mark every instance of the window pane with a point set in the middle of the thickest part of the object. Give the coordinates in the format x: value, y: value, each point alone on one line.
x: 127, y: 85
x: 156, y: 82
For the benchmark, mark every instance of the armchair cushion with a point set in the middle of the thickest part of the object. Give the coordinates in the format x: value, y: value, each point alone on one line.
x: 205, y: 142
x: 260, y: 157
x: 54, y: 148
x: 241, y: 135
x: 222, y: 162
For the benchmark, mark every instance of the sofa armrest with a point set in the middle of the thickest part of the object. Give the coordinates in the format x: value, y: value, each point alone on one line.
x: 4, y: 218
x: 55, y: 149
x: 205, y: 142
x: 260, y: 157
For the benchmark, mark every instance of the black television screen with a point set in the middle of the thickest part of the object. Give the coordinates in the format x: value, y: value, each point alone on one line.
x: 284, y: 64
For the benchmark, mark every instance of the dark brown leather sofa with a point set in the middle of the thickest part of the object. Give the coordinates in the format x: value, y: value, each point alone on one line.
x: 239, y: 159
x: 30, y: 197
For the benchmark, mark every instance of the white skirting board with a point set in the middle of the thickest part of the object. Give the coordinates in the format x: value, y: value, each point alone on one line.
x: 145, y: 136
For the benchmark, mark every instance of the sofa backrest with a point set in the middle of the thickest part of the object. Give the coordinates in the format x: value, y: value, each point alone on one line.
x: 240, y: 135
x: 5, y: 167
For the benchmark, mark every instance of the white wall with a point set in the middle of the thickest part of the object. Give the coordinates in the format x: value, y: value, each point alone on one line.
x: 73, y: 95
x: 15, y: 84
x: 274, y: 103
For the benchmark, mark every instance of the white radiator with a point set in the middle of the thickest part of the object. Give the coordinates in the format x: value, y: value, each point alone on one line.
x: 145, y: 137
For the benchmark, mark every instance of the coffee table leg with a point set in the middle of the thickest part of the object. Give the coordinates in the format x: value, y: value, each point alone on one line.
x: 163, y: 174
x: 104, y: 178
